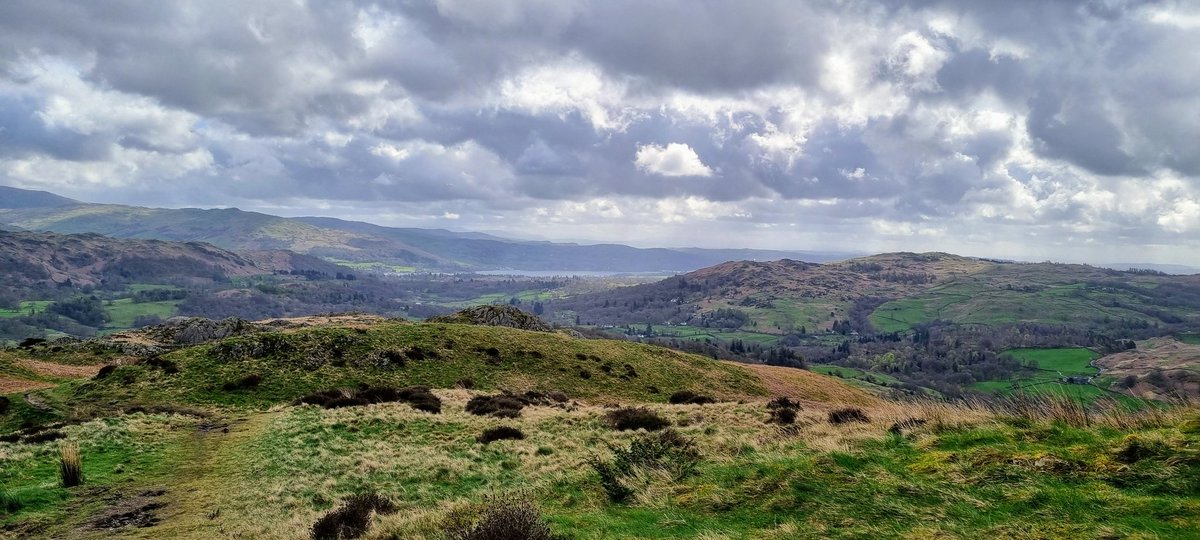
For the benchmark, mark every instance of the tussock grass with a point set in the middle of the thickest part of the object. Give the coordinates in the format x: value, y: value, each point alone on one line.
x: 70, y: 465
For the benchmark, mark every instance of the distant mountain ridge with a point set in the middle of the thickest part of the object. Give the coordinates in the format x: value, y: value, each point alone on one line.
x: 39, y: 258
x: 428, y: 249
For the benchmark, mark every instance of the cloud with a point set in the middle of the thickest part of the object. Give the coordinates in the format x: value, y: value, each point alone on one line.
x: 674, y: 159
x: 1036, y: 127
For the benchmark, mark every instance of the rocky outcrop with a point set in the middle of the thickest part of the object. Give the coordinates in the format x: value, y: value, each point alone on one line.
x: 188, y: 331
x: 496, y: 316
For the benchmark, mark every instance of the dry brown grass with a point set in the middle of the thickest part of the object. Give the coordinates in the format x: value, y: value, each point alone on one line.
x: 11, y: 385
x: 812, y: 388
x: 65, y: 371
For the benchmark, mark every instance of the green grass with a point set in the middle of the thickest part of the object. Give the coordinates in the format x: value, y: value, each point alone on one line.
x: 277, y: 472
x: 317, y: 359
x: 854, y: 373
x: 1192, y: 339
x: 1011, y: 294
x: 696, y: 333
x: 26, y: 306
x: 376, y: 266
x: 123, y: 311
x: 255, y: 467
x: 142, y: 287
x: 1053, y: 364
x: 131, y: 452
x: 1068, y: 361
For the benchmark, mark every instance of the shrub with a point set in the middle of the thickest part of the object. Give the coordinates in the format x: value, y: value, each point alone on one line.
x: 687, y: 397
x: 70, y: 465
x: 783, y: 416
x: 503, y: 517
x: 585, y: 374
x: 5, y: 403
x: 465, y: 383
x: 499, y: 405
x: 630, y: 418
x: 166, y: 366
x: 244, y: 383
x: 418, y: 397
x: 104, y: 372
x: 783, y: 402
x: 352, y: 518
x: 558, y: 397
x: 667, y: 451
x: 847, y: 415
x: 9, y: 502
x: 500, y: 433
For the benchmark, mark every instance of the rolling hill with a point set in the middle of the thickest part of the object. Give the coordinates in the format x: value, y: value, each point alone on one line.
x: 896, y: 292
x: 86, y: 260
x: 207, y: 439
x: 409, y: 248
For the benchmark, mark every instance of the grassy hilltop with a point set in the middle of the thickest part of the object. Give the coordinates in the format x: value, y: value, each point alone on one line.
x: 205, y: 441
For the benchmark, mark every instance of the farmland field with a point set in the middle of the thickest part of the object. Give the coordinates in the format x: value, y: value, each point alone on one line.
x: 125, y: 310
x: 1068, y: 361
x: 26, y: 306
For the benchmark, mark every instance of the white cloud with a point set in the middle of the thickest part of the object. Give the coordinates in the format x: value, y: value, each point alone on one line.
x: 674, y: 159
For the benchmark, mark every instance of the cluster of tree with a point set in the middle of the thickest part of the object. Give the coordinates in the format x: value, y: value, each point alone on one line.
x: 86, y: 310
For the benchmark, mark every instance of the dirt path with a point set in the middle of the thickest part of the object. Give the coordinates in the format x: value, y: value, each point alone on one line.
x: 193, y: 502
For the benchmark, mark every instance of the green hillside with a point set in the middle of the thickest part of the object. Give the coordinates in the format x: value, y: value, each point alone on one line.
x: 167, y: 453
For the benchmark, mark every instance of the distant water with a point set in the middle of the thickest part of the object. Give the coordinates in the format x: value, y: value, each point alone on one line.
x: 572, y: 273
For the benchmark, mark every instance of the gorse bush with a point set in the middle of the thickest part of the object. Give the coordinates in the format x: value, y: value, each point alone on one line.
x: 500, y: 406
x: 506, y: 405
x: 70, y: 465
x: 783, y: 410
x: 502, y: 517
x: 500, y: 433
x: 352, y: 519
x: 630, y: 418
x: 687, y: 397
x: 105, y: 371
x: 665, y: 451
x: 244, y: 383
x: 783, y: 402
x: 783, y: 416
x: 418, y: 397
x: 847, y: 415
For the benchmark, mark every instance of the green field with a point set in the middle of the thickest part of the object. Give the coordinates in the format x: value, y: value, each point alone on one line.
x: 1068, y: 361
x: 141, y: 287
x: 696, y: 333
x: 26, y: 306
x: 527, y: 296
x: 123, y: 311
x: 854, y: 373
x: 374, y: 266
x: 1008, y: 295
x: 1193, y: 339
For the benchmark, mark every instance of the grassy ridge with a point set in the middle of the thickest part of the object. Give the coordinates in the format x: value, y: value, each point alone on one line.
x: 492, y: 357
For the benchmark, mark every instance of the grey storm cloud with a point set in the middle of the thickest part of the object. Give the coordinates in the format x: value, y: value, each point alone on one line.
x: 887, y: 118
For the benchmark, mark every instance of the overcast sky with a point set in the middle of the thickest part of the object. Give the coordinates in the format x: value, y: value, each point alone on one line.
x: 1034, y: 129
